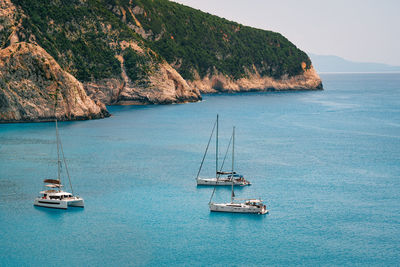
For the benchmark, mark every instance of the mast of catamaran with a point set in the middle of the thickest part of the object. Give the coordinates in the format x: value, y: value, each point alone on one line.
x: 58, y: 154
x: 233, y: 158
x: 60, y: 148
x: 216, y: 152
x: 66, y: 166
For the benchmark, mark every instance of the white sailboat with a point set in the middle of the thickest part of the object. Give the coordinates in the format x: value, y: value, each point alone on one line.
x: 247, y: 206
x: 221, y: 177
x: 54, y: 196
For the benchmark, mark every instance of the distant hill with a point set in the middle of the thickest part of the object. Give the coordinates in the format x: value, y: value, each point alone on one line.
x: 337, y: 64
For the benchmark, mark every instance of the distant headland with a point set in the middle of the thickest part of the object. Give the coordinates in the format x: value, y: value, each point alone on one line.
x: 337, y: 64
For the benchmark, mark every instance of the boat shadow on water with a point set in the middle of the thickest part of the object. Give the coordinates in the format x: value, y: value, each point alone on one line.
x: 237, y: 216
x: 54, y: 211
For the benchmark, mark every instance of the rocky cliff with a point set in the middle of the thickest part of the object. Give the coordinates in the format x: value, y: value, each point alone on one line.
x: 160, y: 84
x: 32, y: 83
x: 214, y: 54
x: 132, y: 52
x: 309, y: 80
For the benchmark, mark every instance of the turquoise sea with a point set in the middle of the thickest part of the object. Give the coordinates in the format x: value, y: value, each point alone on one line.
x: 327, y: 163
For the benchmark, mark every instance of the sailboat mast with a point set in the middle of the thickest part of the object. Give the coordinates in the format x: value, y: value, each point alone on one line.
x: 58, y: 155
x: 233, y: 158
x: 216, y: 152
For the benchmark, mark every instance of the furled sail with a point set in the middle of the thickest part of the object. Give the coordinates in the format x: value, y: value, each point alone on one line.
x: 54, y: 185
x: 52, y: 181
x: 221, y: 172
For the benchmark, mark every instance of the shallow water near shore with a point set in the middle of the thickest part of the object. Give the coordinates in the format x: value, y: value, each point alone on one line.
x: 326, y: 162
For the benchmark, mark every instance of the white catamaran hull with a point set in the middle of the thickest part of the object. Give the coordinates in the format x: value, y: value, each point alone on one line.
x: 214, y: 181
x: 59, y: 204
x: 237, y: 208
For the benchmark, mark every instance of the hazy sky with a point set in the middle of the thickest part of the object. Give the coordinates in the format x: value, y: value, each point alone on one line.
x: 358, y: 30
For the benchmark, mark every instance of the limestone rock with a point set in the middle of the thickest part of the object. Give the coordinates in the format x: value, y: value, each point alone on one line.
x: 31, y: 82
x: 162, y: 85
x: 309, y: 80
x: 9, y: 25
x: 165, y: 86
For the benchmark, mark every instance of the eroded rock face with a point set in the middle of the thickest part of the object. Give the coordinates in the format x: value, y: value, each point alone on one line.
x: 31, y: 82
x: 162, y: 85
x: 105, y: 91
x: 9, y: 24
x: 30, y: 78
x: 165, y: 86
x: 309, y: 80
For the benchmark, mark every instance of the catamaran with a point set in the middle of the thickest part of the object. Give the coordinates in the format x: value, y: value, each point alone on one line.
x: 247, y: 206
x: 54, y: 196
x: 221, y: 177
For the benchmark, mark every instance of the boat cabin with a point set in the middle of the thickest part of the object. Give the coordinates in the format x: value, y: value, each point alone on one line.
x: 255, y: 202
x: 236, y: 176
x: 53, y: 194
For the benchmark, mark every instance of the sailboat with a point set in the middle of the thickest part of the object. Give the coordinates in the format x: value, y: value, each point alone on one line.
x: 221, y: 177
x: 54, y: 196
x: 247, y: 206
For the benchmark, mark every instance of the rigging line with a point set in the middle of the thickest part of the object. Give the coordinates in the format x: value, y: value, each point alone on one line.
x: 57, y: 138
x: 66, y: 168
x: 50, y: 163
x: 226, y: 153
x: 58, y: 155
x: 233, y: 160
x: 205, y: 153
x: 222, y: 166
x: 216, y: 150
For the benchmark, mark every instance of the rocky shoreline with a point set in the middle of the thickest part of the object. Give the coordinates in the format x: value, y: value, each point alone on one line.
x: 309, y: 80
x: 123, y: 63
x: 31, y: 80
x: 38, y: 85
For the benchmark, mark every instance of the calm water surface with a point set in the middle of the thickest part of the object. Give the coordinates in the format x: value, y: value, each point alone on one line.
x: 327, y: 163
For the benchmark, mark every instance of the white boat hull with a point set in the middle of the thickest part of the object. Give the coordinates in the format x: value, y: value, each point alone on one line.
x: 214, y: 181
x: 237, y: 208
x: 59, y: 204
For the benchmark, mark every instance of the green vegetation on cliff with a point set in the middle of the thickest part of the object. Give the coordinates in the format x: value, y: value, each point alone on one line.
x: 203, y: 41
x: 75, y: 34
x: 139, y: 66
x: 84, y: 37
